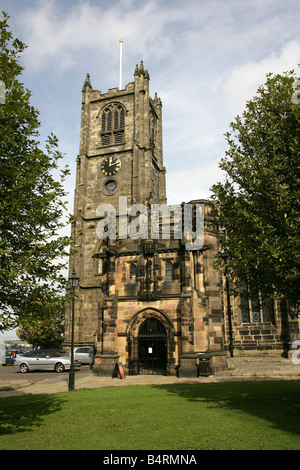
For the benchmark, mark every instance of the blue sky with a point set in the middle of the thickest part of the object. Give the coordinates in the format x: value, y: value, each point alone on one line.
x: 205, y: 60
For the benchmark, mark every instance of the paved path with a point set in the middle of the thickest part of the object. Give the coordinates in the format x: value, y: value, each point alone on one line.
x: 239, y: 369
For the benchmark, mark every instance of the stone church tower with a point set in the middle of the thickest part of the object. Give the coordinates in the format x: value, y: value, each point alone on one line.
x: 147, y: 303
x: 150, y: 302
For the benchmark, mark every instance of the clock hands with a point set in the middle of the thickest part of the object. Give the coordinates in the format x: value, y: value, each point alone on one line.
x: 110, y: 166
x: 113, y: 164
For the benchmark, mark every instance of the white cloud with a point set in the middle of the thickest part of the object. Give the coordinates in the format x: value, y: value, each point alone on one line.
x: 244, y: 80
x: 205, y: 60
x: 56, y: 36
x: 192, y: 181
x: 8, y: 335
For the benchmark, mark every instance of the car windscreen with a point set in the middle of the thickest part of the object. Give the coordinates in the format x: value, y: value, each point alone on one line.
x: 28, y: 354
x: 43, y: 353
x: 54, y: 353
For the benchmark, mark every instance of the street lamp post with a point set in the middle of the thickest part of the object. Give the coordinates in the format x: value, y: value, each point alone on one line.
x: 225, y: 257
x: 74, y: 280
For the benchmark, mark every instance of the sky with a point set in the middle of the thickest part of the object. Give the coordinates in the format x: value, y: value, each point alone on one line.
x: 206, y: 59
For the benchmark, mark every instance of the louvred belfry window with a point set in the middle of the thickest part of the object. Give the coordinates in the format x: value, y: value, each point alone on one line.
x: 113, y: 125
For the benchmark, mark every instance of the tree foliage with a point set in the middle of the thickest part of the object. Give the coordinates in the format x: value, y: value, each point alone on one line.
x: 43, y: 323
x: 31, y: 200
x: 257, y: 206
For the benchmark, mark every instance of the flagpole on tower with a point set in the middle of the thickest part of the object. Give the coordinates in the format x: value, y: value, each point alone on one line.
x: 120, y: 74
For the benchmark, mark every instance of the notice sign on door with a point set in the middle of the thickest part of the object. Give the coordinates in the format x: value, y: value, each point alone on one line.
x: 150, y: 350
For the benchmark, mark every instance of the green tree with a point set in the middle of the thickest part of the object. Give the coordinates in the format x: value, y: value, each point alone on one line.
x: 43, y: 324
x: 257, y: 205
x: 31, y: 200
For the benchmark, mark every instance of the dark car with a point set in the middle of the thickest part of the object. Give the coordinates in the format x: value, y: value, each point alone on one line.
x: 11, y: 355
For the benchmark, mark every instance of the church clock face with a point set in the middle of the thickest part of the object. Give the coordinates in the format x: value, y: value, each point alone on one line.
x: 110, y: 166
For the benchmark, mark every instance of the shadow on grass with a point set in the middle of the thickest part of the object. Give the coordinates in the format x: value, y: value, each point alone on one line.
x: 24, y: 412
x: 276, y: 402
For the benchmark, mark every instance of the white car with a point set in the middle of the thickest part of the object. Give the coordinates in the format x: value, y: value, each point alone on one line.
x: 84, y: 354
x: 42, y: 359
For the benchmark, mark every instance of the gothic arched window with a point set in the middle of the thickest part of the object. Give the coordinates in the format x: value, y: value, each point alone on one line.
x: 169, y: 271
x: 132, y: 273
x: 256, y: 308
x: 113, y: 125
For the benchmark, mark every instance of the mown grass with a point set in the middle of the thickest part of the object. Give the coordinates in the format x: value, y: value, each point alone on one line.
x: 224, y: 416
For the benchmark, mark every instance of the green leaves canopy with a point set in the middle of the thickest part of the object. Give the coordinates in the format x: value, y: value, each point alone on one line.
x: 257, y: 205
x: 31, y: 199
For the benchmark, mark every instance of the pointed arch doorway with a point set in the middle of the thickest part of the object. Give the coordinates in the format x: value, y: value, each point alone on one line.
x: 152, y: 347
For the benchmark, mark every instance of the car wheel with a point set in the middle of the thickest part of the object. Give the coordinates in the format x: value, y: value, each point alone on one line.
x: 59, y: 367
x: 24, y: 368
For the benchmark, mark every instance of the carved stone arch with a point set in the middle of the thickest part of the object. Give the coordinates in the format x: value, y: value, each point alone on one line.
x: 113, y: 106
x: 133, y: 336
x: 146, y: 314
x: 110, y: 104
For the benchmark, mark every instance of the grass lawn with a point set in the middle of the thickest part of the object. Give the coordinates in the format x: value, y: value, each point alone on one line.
x: 236, y: 416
